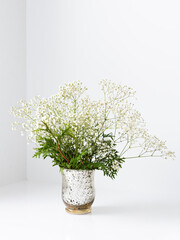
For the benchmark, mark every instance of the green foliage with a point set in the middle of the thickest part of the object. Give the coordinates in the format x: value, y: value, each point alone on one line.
x: 58, y: 146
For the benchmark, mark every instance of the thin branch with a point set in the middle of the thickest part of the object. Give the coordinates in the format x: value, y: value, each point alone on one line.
x: 56, y: 141
x: 124, y: 148
x: 62, y: 153
x: 142, y: 156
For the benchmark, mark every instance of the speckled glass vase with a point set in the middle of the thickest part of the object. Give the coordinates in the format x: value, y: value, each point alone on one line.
x: 78, y: 190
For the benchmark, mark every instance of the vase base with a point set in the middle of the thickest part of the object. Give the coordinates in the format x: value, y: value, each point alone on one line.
x: 78, y: 211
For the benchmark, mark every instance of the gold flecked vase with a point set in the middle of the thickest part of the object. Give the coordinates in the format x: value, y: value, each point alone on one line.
x: 78, y: 191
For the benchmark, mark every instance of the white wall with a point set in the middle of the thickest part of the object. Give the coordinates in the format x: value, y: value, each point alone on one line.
x: 12, y: 87
x: 133, y: 42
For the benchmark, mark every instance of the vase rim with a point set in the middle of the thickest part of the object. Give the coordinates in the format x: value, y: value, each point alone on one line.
x: 78, y: 169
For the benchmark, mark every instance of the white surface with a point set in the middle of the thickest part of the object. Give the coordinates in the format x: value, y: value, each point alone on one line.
x: 12, y: 87
x: 133, y: 42
x: 36, y: 211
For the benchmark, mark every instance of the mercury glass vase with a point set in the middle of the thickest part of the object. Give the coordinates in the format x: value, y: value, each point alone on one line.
x: 78, y: 191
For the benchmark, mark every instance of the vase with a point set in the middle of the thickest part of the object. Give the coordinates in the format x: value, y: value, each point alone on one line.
x: 78, y: 191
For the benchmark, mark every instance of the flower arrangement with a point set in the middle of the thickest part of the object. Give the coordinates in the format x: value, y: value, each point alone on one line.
x: 77, y: 132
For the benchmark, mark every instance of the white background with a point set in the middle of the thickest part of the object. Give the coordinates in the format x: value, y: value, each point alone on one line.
x: 130, y: 42
x: 56, y: 41
x: 12, y: 87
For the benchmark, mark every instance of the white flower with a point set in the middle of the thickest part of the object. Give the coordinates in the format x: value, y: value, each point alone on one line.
x: 114, y: 113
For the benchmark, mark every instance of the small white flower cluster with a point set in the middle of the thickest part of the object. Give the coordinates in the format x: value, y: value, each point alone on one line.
x: 89, y: 119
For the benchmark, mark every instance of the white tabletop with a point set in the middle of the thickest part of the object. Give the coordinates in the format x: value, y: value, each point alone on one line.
x: 30, y: 210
